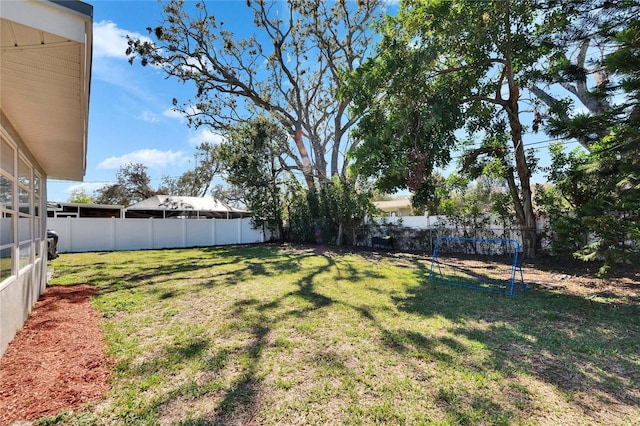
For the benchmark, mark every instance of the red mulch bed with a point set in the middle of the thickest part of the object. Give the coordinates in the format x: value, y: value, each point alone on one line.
x: 56, y: 362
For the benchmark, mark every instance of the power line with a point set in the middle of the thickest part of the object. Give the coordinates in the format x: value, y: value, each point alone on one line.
x: 548, y: 143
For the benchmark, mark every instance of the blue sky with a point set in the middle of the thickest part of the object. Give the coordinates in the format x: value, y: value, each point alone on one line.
x: 131, y: 117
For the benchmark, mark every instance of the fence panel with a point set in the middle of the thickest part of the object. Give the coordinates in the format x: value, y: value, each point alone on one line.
x: 98, y: 234
x: 226, y: 231
x: 250, y: 235
x: 90, y: 235
x: 168, y: 233
x: 131, y: 234
x: 200, y: 233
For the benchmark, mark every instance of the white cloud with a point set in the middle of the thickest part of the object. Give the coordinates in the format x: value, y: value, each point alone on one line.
x: 172, y: 113
x: 110, y: 41
x: 205, y: 135
x: 180, y: 116
x: 89, y: 187
x: 147, y: 116
x: 148, y: 157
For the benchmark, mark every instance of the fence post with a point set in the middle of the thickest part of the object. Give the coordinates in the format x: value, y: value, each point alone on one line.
x: 240, y: 231
x: 184, y: 232
x: 150, y: 241
x: 67, y: 227
x: 213, y: 231
x: 113, y: 233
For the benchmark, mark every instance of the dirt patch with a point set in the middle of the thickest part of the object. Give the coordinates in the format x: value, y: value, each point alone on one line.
x: 57, y: 360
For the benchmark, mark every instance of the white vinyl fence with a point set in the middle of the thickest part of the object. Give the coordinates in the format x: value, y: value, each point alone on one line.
x: 78, y: 235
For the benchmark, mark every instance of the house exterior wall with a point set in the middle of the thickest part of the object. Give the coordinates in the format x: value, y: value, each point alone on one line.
x: 43, y: 131
x: 394, y: 208
x: 23, y: 251
x: 396, y: 211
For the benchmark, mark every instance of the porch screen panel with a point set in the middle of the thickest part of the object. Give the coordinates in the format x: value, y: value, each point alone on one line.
x: 25, y: 213
x: 7, y: 209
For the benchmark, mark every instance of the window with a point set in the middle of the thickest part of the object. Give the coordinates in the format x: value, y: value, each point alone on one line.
x: 24, y: 200
x: 7, y: 158
x: 37, y: 228
x: 20, y: 210
x: 25, y: 254
x: 7, y: 209
x: 6, y: 193
x: 6, y: 245
x: 25, y: 213
x: 24, y: 173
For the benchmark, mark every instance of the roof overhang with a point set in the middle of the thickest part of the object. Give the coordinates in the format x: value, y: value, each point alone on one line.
x: 45, y: 79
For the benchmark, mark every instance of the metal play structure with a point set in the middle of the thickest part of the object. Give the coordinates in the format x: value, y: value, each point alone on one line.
x: 482, y: 264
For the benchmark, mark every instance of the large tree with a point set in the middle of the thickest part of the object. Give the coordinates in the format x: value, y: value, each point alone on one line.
x: 80, y: 196
x: 575, y: 77
x: 603, y: 186
x: 132, y: 185
x: 290, y: 69
x: 253, y: 162
x: 197, y: 181
x: 444, y: 65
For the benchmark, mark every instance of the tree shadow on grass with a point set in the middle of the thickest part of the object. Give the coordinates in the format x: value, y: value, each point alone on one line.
x: 530, y: 334
x: 240, y: 401
x: 215, y: 267
x: 572, y: 343
x: 572, y: 266
x: 235, y: 402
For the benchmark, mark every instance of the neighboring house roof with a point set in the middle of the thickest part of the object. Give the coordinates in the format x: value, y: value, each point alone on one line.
x: 57, y: 204
x: 400, y: 203
x: 166, y: 206
x: 58, y: 209
x: 45, y: 79
x: 173, y: 202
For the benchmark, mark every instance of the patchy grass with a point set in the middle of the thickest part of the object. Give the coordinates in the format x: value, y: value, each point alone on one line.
x: 282, y: 335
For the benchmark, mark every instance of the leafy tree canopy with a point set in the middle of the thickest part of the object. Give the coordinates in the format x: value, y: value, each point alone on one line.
x: 442, y: 66
x: 253, y: 162
x: 132, y: 186
x: 80, y: 196
x: 603, y: 186
x: 573, y: 77
x: 197, y: 181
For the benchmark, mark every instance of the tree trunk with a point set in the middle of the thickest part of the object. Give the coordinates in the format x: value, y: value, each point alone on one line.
x: 526, y: 218
x: 337, y: 138
x: 307, y: 170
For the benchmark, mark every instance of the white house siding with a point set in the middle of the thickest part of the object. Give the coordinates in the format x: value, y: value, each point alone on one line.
x: 45, y: 55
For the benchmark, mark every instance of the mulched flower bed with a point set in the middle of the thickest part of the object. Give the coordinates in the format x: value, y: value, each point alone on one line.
x: 57, y: 361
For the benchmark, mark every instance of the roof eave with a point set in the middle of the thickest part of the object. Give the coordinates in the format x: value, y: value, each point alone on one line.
x: 51, y: 115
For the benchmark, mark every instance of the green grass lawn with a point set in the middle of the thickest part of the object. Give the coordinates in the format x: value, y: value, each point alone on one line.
x: 271, y: 335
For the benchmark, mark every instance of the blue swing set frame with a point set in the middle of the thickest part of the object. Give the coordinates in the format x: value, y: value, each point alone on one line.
x: 512, y: 287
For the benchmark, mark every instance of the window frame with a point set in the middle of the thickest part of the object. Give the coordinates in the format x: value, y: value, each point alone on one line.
x: 23, y: 191
x: 10, y: 210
